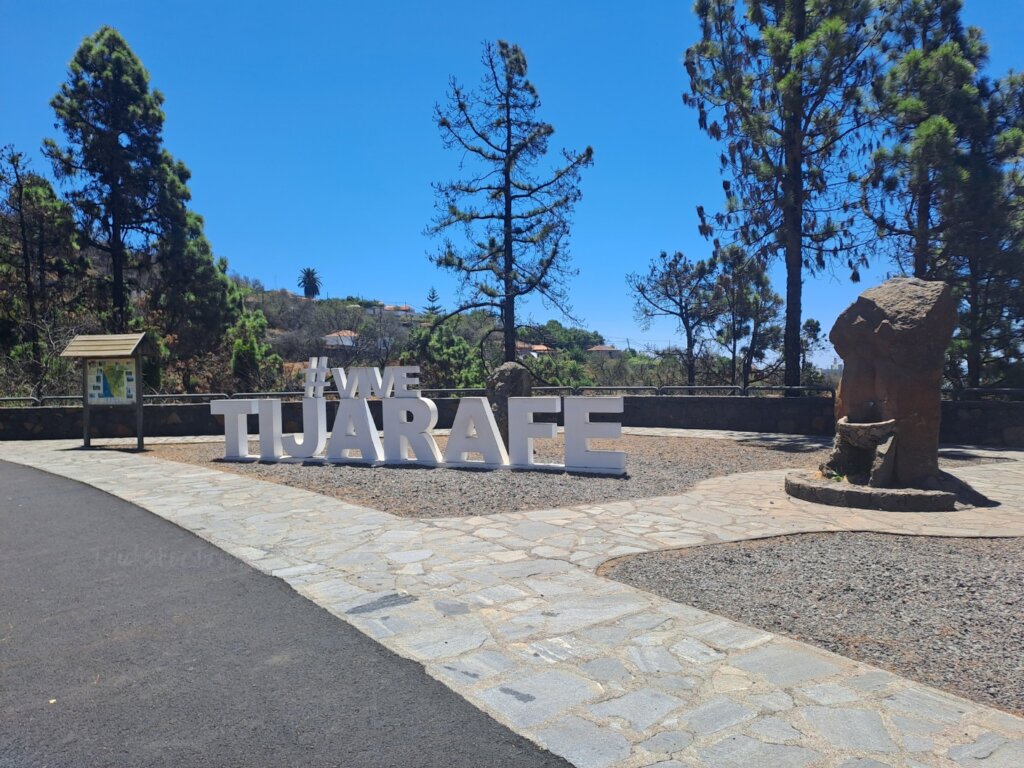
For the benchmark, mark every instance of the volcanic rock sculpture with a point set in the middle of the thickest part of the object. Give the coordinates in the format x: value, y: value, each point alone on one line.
x: 893, y: 341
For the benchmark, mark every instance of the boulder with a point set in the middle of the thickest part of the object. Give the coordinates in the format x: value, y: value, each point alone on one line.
x: 507, y: 380
x: 893, y: 342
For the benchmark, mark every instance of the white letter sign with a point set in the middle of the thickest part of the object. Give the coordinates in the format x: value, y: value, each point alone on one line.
x: 579, y: 429
x: 523, y: 430
x: 474, y: 431
x: 402, y: 434
x: 354, y: 431
x: 408, y: 420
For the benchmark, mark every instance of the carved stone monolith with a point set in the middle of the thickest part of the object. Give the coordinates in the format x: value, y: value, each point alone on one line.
x: 893, y: 342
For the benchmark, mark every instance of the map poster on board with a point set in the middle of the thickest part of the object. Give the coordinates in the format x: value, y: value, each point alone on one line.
x: 110, y: 382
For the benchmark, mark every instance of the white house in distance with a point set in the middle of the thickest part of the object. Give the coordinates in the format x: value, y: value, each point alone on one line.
x: 605, y: 351
x: 343, y: 338
x: 395, y: 310
x: 532, y: 350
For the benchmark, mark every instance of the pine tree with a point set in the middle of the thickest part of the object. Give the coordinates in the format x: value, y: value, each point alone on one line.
x: 433, y: 303
x: 676, y: 287
x: 39, y: 261
x: 128, y: 191
x: 985, y: 262
x: 940, y: 189
x: 516, y: 223
x: 748, y: 312
x: 253, y: 364
x: 193, y: 302
x: 446, y: 359
x: 781, y: 86
x: 930, y: 101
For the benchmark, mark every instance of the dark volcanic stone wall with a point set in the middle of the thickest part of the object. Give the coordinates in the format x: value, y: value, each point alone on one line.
x: 973, y: 423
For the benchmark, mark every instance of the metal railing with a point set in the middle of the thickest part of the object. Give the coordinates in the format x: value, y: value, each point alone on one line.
x: 813, y: 390
x: 189, y: 397
x: 60, y: 400
x: 985, y: 393
x: 8, y: 402
x: 56, y: 400
x: 282, y: 395
x: 457, y: 392
x: 686, y: 389
x: 652, y: 391
x: 649, y: 391
x: 972, y: 394
x: 561, y: 391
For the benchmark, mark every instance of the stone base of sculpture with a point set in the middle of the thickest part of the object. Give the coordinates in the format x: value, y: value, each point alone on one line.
x: 810, y: 485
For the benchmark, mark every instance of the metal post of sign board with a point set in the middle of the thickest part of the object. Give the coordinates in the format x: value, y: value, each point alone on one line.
x: 138, y: 401
x: 85, y: 403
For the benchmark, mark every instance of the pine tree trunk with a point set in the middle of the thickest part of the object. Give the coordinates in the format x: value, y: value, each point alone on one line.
x: 732, y: 366
x: 974, y: 340
x: 26, y: 257
x: 921, y: 239
x: 41, y: 267
x: 748, y: 358
x: 508, y: 308
x: 691, y: 363
x: 793, y: 194
x: 117, y: 271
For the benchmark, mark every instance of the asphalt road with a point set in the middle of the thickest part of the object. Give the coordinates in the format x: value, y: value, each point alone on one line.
x: 126, y: 641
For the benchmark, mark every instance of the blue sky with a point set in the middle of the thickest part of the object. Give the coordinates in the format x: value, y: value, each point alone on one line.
x: 308, y: 130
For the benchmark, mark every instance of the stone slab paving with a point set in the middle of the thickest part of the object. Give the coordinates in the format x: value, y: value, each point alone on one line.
x: 508, y: 612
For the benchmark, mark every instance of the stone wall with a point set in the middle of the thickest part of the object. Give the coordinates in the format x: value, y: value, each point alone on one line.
x: 789, y: 415
x: 971, y: 423
x: 174, y: 420
x: 983, y: 422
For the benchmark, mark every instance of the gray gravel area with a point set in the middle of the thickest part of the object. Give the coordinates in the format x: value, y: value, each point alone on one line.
x: 656, y: 466
x: 943, y: 611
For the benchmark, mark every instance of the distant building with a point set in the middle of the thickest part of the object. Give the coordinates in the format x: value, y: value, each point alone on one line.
x: 605, y: 351
x: 344, y: 338
x: 396, y: 310
x: 533, y: 350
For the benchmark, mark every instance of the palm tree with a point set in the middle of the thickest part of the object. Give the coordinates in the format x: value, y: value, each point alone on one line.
x: 309, y: 282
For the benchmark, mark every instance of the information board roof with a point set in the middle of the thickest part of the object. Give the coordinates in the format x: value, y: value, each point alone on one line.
x: 107, y: 345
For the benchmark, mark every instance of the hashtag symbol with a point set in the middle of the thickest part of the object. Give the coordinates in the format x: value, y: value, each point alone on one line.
x: 316, y: 376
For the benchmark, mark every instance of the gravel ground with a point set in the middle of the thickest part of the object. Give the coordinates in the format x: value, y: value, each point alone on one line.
x: 656, y: 466
x: 943, y: 611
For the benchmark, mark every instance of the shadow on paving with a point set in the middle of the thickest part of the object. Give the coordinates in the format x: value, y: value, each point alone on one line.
x: 127, y: 641
x: 787, y: 443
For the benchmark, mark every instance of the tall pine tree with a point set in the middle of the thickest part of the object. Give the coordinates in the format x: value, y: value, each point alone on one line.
x: 683, y: 290
x: 780, y: 83
x: 193, y: 302
x: 940, y: 188
x: 930, y: 104
x: 126, y: 189
x: 516, y: 222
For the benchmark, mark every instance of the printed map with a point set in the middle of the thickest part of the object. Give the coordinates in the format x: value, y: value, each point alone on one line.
x: 111, y: 382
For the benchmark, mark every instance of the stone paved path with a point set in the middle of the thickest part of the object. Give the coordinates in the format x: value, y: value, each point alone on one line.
x: 507, y: 611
